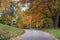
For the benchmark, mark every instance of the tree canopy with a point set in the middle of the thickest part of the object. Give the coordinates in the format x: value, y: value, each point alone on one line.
x: 38, y: 13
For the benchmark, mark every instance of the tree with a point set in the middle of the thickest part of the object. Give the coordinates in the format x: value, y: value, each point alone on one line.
x: 57, y: 13
x: 38, y: 7
x: 0, y: 2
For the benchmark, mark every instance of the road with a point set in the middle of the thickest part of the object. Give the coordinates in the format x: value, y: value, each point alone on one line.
x: 36, y: 35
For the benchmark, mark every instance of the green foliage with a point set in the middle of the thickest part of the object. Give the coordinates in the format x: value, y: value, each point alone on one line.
x: 19, y: 20
x: 30, y: 26
x: 1, y: 20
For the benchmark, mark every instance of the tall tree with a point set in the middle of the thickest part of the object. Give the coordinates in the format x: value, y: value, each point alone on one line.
x: 57, y: 13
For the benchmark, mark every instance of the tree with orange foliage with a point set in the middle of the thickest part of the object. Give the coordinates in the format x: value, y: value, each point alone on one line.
x: 44, y: 8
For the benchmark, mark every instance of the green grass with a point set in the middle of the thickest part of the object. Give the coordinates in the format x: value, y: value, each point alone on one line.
x: 55, y: 32
x: 9, y: 31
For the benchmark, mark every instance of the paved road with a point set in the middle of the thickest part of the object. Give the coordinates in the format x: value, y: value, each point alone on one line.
x: 36, y: 35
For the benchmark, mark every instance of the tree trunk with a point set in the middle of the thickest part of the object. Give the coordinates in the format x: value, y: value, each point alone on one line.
x: 57, y: 19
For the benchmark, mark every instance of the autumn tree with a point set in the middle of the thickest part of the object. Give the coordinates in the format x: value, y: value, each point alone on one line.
x: 44, y: 8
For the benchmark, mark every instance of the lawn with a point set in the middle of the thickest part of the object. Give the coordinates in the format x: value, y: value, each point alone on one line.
x: 54, y: 32
x: 7, y: 32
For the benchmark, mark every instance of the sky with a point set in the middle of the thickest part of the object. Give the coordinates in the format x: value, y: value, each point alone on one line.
x: 25, y: 7
x: 16, y: 0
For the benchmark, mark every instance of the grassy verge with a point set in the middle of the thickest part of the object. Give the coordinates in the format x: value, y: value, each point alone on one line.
x: 55, y: 32
x: 8, y: 31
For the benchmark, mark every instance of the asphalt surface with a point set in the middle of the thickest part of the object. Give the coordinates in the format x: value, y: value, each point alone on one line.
x: 36, y: 35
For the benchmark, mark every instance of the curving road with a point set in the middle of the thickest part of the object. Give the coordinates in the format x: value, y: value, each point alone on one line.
x: 36, y: 35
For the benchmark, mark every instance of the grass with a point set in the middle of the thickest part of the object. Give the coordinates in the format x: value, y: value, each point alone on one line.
x: 55, y: 32
x: 9, y: 31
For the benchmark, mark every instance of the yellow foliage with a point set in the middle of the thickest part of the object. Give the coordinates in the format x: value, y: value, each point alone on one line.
x: 27, y: 20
